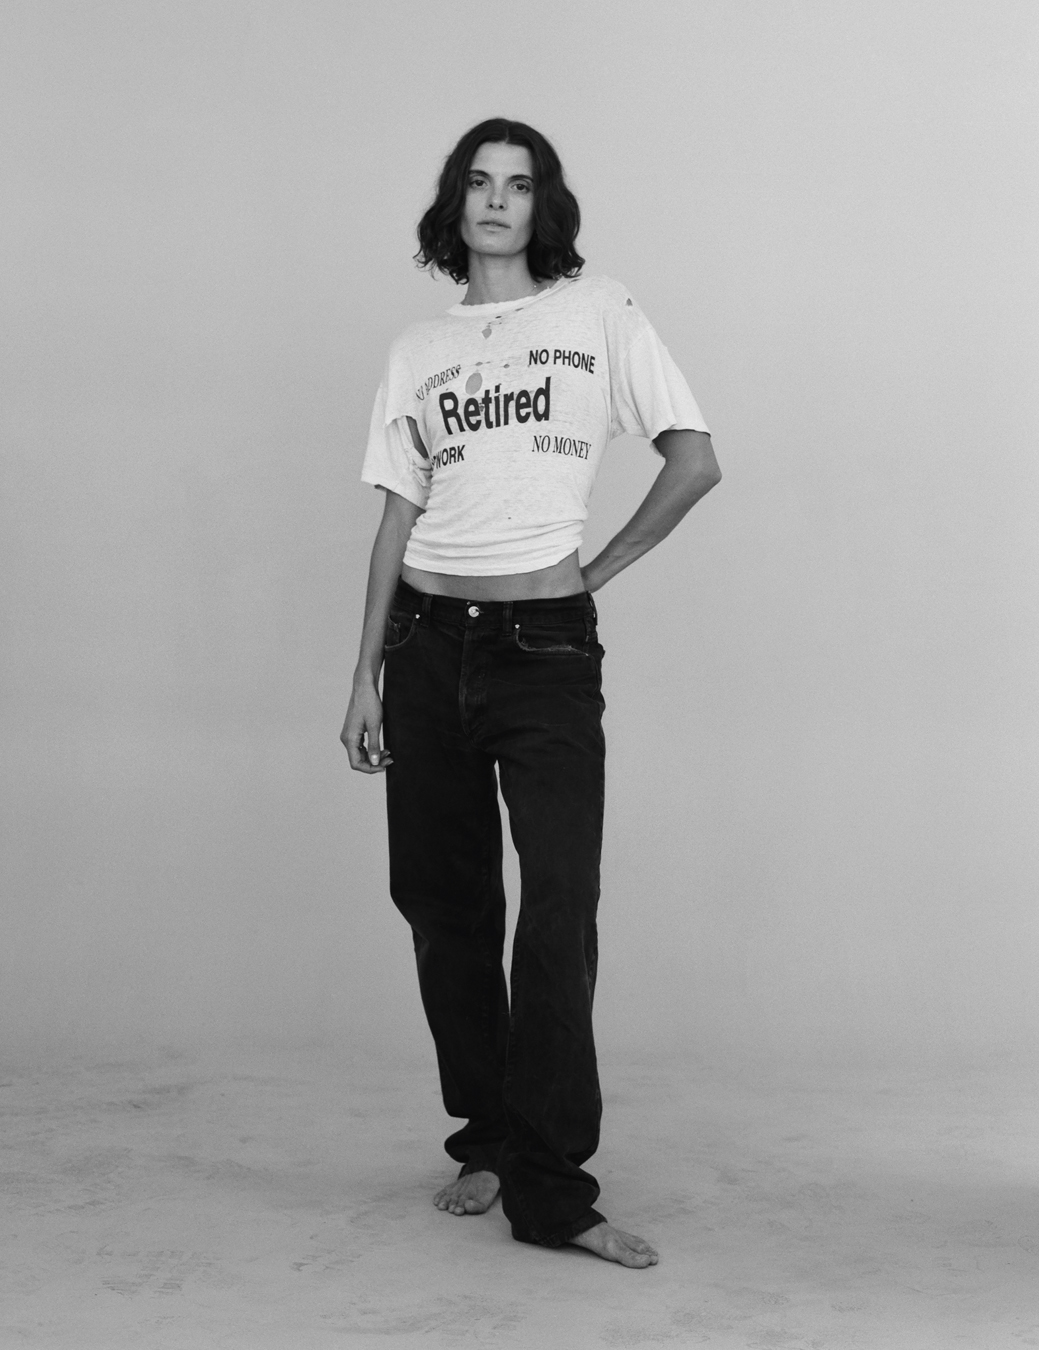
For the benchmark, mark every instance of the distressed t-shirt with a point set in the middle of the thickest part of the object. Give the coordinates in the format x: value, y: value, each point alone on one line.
x: 515, y: 403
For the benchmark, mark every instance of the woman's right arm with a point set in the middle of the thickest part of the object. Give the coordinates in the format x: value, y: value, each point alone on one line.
x: 363, y: 725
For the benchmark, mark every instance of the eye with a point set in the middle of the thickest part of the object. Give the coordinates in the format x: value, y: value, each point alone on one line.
x: 476, y: 180
x: 523, y: 187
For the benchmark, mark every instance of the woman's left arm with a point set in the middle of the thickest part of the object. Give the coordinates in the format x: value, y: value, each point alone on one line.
x: 689, y: 471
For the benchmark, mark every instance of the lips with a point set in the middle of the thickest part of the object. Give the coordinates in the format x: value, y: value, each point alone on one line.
x: 497, y: 224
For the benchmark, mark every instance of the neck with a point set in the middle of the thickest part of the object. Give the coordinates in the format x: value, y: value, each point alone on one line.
x: 494, y: 280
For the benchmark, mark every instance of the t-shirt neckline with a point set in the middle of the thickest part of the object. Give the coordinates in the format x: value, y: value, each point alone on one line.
x: 504, y: 306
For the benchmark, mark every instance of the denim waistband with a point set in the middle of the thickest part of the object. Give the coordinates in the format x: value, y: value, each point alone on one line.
x: 449, y: 609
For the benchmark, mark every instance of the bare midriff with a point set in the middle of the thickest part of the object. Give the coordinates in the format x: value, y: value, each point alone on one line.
x: 562, y: 578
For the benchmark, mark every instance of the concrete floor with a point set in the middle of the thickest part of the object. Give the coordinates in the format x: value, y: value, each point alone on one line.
x: 282, y: 1199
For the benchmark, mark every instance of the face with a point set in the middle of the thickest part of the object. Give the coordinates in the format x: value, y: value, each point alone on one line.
x: 498, y: 217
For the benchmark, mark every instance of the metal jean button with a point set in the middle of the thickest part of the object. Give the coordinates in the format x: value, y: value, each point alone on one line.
x: 474, y: 611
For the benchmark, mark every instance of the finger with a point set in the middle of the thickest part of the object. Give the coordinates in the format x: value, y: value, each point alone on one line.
x: 354, y: 742
x: 360, y: 758
x: 374, y: 730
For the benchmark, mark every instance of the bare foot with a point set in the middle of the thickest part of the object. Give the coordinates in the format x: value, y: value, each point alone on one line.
x: 613, y: 1244
x: 472, y: 1194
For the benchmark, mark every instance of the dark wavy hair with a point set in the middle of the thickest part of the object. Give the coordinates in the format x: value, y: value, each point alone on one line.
x: 557, y: 217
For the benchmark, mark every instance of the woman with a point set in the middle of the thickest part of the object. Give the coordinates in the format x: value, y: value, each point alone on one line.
x: 486, y: 435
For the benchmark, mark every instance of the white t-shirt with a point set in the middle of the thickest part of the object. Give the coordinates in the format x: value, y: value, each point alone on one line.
x: 515, y: 403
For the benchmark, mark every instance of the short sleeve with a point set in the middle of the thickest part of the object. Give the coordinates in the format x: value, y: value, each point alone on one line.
x: 648, y: 392
x: 391, y: 459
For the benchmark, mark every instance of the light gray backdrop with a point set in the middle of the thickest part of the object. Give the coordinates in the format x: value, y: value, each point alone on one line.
x: 822, y: 790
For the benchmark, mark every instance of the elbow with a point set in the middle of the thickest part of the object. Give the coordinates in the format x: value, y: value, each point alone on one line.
x: 707, y: 477
x: 710, y: 470
x: 696, y: 483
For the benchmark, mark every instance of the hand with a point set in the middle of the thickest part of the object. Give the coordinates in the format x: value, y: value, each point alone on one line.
x: 590, y: 578
x: 361, y: 732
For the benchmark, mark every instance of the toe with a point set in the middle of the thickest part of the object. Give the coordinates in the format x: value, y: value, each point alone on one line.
x: 629, y: 1257
x: 465, y: 1197
x: 638, y: 1244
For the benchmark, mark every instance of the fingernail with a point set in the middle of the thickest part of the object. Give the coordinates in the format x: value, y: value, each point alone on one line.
x: 374, y: 758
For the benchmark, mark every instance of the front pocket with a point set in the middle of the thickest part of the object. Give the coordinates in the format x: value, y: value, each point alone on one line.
x: 399, y: 631
x: 549, y: 642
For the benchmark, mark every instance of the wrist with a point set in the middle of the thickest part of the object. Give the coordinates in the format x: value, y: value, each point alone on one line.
x: 365, y: 679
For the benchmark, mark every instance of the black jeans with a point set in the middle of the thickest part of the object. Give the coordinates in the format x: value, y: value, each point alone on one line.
x: 469, y: 686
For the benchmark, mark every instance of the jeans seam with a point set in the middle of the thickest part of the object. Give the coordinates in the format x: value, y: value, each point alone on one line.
x: 463, y: 676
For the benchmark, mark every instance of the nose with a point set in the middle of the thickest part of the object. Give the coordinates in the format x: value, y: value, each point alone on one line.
x: 495, y: 198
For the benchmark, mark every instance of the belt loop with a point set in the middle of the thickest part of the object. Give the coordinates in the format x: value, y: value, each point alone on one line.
x: 427, y: 605
x: 506, y: 618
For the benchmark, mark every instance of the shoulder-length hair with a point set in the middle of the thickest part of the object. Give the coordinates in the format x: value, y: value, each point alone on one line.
x: 557, y: 217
